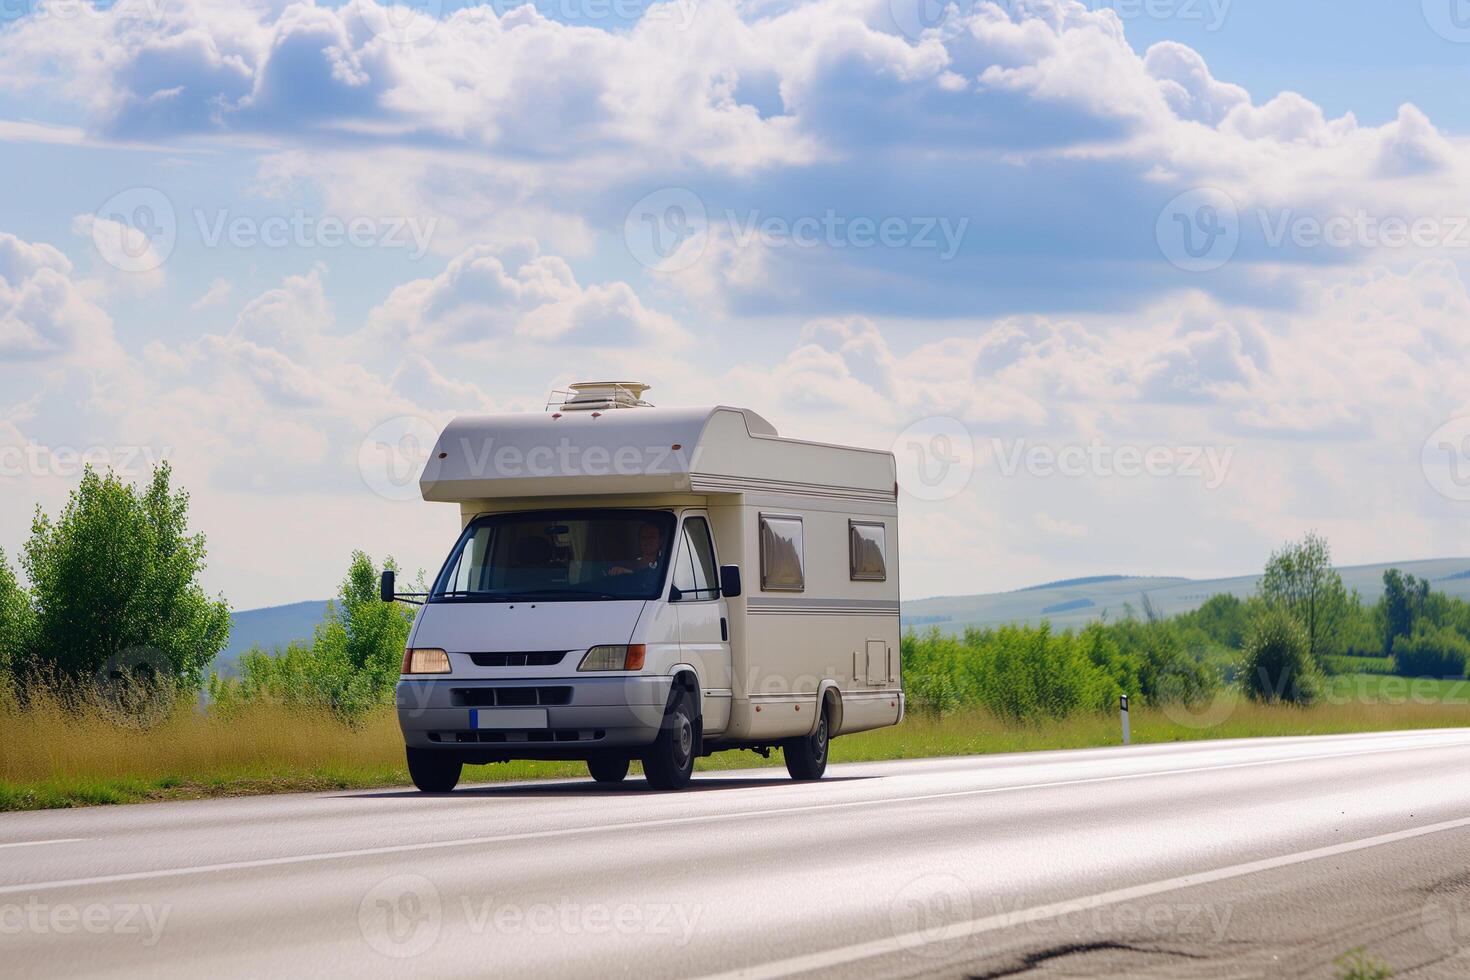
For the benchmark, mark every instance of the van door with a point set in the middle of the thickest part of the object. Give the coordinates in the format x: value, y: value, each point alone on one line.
x: 704, y: 625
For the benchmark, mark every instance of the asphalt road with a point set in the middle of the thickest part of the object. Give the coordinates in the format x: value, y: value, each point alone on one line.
x: 1262, y: 858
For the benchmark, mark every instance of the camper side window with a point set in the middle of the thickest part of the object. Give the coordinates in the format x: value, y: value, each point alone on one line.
x: 782, y: 569
x: 867, y: 555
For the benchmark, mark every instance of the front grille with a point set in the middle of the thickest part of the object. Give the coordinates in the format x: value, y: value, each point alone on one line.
x: 533, y: 658
x: 509, y: 697
x: 500, y: 738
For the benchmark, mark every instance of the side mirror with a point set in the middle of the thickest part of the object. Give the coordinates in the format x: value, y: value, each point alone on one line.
x: 729, y: 581
x: 385, y: 587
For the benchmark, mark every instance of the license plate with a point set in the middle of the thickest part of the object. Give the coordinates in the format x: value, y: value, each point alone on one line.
x: 534, y: 718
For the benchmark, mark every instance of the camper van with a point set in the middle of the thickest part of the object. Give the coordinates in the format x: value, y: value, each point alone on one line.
x: 650, y: 583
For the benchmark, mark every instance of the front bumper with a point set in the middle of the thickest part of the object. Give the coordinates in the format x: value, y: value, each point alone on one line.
x: 584, y: 715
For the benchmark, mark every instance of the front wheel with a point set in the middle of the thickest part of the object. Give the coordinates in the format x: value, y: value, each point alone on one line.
x: 806, y: 757
x: 433, y: 772
x: 608, y: 769
x: 669, y: 763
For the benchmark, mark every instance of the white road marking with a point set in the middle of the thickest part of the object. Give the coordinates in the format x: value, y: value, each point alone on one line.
x: 679, y: 821
x: 37, y: 843
x: 960, y: 930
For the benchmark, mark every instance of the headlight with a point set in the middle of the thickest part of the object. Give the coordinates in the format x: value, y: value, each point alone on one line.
x: 614, y: 657
x: 425, y: 661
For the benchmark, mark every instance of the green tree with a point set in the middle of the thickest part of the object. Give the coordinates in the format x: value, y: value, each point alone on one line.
x: 15, y: 620
x: 1404, y: 600
x: 115, y: 584
x: 1277, y: 666
x: 1300, y: 578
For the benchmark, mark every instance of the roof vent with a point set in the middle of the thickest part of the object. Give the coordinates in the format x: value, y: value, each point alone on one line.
x: 599, y: 396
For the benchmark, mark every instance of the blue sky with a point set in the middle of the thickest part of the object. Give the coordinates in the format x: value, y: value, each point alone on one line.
x: 1154, y: 291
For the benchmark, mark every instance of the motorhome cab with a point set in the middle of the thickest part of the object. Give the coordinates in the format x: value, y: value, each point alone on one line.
x: 651, y: 583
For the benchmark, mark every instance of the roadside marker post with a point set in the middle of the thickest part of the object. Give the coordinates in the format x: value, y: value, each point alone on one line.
x: 1123, y: 711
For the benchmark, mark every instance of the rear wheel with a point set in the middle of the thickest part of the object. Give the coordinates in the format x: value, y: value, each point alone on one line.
x: 608, y: 769
x: 433, y: 772
x: 806, y: 757
x: 669, y: 763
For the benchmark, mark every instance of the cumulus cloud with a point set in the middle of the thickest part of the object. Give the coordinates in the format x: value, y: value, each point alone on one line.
x: 491, y: 293
x: 1035, y: 121
x: 44, y: 312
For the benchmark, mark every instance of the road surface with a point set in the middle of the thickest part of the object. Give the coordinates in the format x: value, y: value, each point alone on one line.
x: 1261, y: 858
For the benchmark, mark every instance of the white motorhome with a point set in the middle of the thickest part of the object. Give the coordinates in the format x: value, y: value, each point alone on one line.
x: 648, y: 583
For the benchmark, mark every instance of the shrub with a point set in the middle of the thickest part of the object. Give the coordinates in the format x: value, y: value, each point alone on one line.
x: 1277, y: 665
x: 1431, y: 652
x: 931, y: 672
x: 351, y: 665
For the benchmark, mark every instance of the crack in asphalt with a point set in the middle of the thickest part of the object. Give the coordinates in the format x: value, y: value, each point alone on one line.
x: 1032, y: 961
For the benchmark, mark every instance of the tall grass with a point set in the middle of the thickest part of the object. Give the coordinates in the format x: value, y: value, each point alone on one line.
x: 52, y: 754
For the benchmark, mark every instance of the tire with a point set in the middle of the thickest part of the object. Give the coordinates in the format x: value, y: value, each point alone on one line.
x: 433, y: 772
x: 669, y: 762
x: 806, y: 757
x: 608, y: 768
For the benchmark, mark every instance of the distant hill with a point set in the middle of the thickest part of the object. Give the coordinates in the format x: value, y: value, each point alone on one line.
x: 1076, y: 602
x: 268, y: 628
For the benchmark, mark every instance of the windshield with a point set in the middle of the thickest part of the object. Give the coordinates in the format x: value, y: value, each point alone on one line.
x: 559, y: 556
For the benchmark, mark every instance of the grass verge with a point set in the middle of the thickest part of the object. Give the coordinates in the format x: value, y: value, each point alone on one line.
x: 53, y: 757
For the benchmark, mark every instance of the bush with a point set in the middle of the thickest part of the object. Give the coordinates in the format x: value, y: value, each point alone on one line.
x: 1431, y: 652
x: 1277, y: 665
x: 350, y: 667
x: 1029, y: 672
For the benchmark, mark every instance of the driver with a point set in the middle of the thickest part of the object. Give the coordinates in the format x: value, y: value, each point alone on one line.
x: 650, y: 547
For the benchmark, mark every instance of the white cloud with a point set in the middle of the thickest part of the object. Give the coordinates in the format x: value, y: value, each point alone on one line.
x: 44, y: 313
x: 491, y: 293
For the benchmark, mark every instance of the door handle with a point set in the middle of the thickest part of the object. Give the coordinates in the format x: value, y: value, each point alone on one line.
x: 724, y: 630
